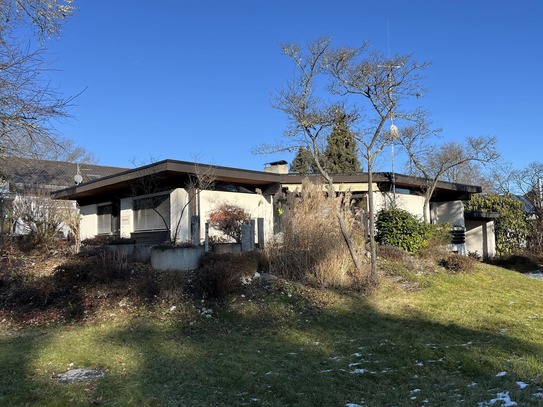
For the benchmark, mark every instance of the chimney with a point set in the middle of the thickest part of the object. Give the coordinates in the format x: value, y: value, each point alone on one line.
x: 277, y: 167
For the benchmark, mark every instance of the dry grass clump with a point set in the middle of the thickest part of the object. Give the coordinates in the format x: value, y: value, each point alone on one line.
x: 313, y: 248
x: 393, y: 253
x: 457, y: 263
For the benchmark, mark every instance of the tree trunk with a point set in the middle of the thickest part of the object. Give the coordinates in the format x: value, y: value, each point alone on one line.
x: 426, y: 209
x: 371, y: 209
x: 426, y: 206
x: 348, y: 241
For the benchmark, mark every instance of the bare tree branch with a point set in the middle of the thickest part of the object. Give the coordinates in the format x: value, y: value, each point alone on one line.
x: 311, y: 119
x: 439, y: 162
x: 381, y: 84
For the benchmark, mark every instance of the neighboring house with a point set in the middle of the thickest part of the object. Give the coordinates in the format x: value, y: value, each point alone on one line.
x: 154, y: 204
x: 24, y: 178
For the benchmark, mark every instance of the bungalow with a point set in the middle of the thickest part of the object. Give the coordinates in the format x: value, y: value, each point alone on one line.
x: 165, y: 201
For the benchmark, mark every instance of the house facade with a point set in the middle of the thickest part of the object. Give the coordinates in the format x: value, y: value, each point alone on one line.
x: 164, y: 201
x: 27, y: 183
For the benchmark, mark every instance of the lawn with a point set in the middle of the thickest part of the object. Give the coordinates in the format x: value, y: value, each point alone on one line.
x: 457, y: 340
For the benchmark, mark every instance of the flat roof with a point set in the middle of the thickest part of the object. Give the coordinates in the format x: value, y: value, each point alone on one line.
x: 174, y: 174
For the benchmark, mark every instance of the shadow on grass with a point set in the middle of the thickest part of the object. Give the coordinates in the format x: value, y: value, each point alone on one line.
x: 16, y: 382
x: 517, y: 262
x: 74, y: 290
x: 301, y: 358
x: 271, y: 349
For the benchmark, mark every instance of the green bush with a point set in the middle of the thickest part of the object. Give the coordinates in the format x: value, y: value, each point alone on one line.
x: 511, y: 228
x: 399, y: 228
x: 523, y: 263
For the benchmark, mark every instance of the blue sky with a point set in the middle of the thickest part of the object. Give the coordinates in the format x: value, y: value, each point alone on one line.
x: 193, y: 80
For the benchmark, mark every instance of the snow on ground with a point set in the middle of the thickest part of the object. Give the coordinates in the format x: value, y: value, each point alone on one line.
x: 502, y: 399
x: 537, y: 274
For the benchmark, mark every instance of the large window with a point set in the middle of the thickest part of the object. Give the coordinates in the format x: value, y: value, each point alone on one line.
x: 152, y: 213
x: 105, y: 218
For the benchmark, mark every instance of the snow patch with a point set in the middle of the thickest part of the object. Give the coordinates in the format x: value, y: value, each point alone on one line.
x: 503, y: 398
x: 522, y: 385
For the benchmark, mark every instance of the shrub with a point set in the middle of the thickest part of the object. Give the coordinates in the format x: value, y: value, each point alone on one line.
x: 399, y: 228
x: 519, y: 262
x: 228, y: 219
x: 41, y: 218
x: 511, y: 228
x: 105, y: 240
x: 221, y: 274
x: 388, y: 252
x: 312, y: 248
x: 122, y: 240
x: 438, y: 239
x: 456, y: 263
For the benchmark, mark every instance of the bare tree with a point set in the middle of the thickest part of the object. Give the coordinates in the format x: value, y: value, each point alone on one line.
x: 443, y: 162
x: 529, y: 183
x: 376, y: 86
x: 311, y: 119
x: 29, y: 105
x: 369, y: 87
x: 44, y: 17
x: 34, y: 213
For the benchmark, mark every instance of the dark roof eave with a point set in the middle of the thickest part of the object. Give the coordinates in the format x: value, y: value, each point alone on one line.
x: 480, y: 215
x: 172, y: 168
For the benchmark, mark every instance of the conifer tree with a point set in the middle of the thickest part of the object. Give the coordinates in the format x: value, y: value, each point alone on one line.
x: 341, y: 155
x: 303, y: 163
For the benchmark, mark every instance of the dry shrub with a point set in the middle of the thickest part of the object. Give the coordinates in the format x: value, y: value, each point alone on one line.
x: 393, y: 253
x: 172, y: 284
x: 221, y: 274
x: 457, y: 263
x: 313, y: 248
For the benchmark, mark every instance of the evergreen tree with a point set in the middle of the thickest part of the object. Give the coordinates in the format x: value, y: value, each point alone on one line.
x: 341, y: 155
x: 304, y: 162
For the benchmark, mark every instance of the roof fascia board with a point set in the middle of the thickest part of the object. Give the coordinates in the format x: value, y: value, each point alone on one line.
x: 229, y: 174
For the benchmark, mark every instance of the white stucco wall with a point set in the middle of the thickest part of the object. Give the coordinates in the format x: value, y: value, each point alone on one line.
x: 414, y: 204
x: 480, y: 238
x: 258, y: 206
x: 89, y: 221
x: 127, y: 218
x: 179, y: 216
x: 452, y: 211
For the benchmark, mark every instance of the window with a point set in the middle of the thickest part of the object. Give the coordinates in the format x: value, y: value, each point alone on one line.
x: 152, y: 213
x: 105, y: 219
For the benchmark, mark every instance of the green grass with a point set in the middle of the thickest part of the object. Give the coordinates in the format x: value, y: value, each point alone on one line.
x: 288, y: 345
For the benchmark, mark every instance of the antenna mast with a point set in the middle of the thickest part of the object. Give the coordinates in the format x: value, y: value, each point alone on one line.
x: 394, y: 132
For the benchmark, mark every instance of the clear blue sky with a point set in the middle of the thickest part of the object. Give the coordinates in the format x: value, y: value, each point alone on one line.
x: 192, y: 80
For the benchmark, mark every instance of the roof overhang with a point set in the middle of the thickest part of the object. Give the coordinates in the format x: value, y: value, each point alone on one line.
x: 170, y: 174
x: 478, y: 215
x: 175, y: 174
